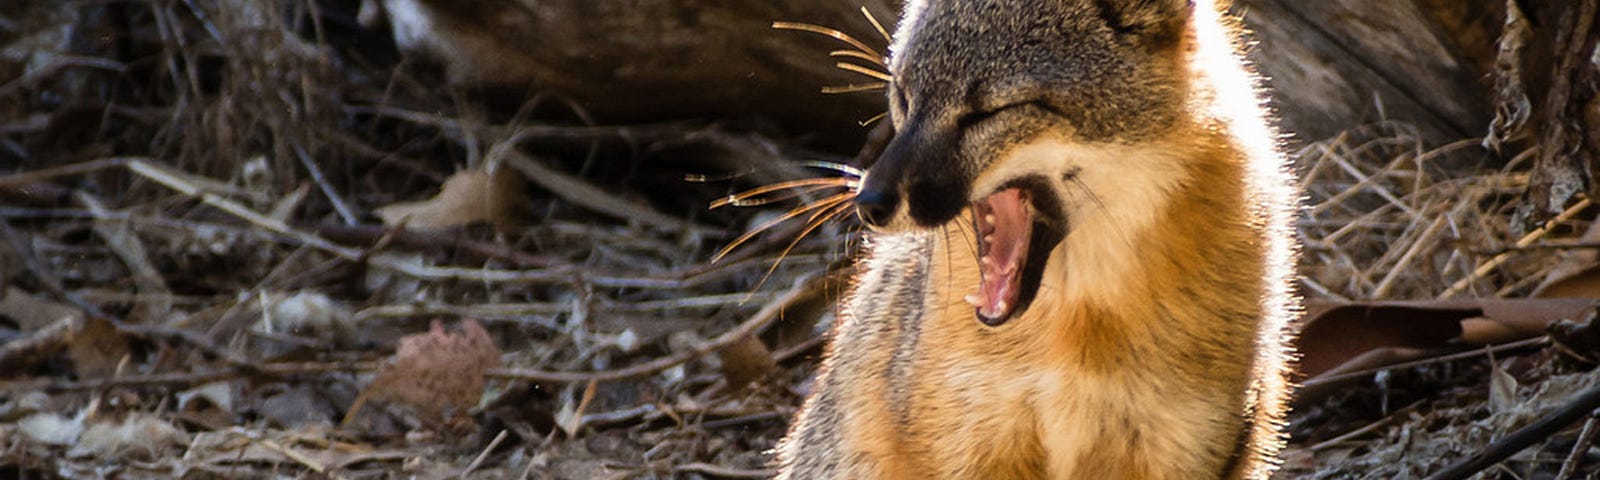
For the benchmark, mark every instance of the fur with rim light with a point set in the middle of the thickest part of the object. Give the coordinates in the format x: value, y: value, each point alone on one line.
x: 1150, y: 341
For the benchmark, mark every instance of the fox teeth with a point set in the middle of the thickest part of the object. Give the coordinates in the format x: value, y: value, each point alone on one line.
x: 1003, y: 306
x: 988, y: 218
x: 974, y: 300
x: 989, y: 239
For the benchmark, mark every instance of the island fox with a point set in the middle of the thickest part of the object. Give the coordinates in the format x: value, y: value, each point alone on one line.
x: 1080, y: 258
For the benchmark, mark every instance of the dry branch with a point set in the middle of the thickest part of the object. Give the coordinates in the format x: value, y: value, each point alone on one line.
x: 1584, y: 404
x: 804, y: 289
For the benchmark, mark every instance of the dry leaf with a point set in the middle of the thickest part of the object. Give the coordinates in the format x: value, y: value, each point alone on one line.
x: 570, y: 417
x: 1502, y: 389
x: 468, y: 196
x: 33, y: 312
x: 298, y: 406
x: 217, y: 394
x: 94, y: 344
x: 139, y: 436
x: 438, y: 373
x: 227, y: 448
x: 1578, y: 274
x: 1342, y: 337
x: 746, y: 361
x: 42, y: 341
x: 1584, y: 283
x: 97, y: 348
x: 51, y: 429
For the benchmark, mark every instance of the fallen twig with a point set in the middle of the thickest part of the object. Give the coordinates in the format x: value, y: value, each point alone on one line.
x: 754, y: 324
x: 507, y: 310
x: 300, y: 458
x: 120, y: 239
x: 1368, y: 428
x: 1504, y: 448
x: 581, y: 193
x: 20, y: 354
x: 43, y: 273
x: 1484, y: 268
x: 498, y: 438
x: 188, y: 379
x: 451, y: 240
x: 724, y: 472
x: 799, y: 348
x: 44, y: 174
x: 1580, y: 449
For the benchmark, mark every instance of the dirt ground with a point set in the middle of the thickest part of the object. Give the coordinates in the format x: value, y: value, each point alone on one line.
x: 267, y: 245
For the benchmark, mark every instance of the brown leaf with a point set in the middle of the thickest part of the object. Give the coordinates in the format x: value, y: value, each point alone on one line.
x: 439, y: 374
x: 1336, y: 334
x: 469, y: 196
x: 1578, y: 273
x: 1584, y: 283
x: 97, y: 348
x: 746, y: 360
x: 94, y: 344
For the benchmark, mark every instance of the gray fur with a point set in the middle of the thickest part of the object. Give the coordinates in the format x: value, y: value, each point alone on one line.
x: 973, y: 77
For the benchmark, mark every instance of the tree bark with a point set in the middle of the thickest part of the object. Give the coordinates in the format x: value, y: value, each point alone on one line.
x: 1447, y: 66
x: 645, y: 60
x: 1336, y: 64
x: 1547, y: 97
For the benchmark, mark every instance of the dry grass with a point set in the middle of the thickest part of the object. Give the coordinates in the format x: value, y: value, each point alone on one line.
x: 1390, y: 218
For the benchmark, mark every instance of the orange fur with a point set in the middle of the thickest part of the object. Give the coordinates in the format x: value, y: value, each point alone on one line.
x: 1155, y: 348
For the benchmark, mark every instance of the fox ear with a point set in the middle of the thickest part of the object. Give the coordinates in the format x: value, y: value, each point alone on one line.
x: 1150, y: 22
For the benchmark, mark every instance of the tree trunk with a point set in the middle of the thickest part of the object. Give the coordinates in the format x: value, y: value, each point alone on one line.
x: 1336, y: 64
x: 1450, y: 67
x: 645, y: 60
x: 1547, y: 97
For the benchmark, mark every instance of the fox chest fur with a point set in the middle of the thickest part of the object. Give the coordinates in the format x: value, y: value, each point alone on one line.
x: 1080, y: 260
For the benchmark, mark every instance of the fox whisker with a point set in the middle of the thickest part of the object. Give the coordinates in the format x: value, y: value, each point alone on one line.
x: 874, y: 118
x: 853, y: 88
x: 870, y: 57
x: 823, y: 215
x: 778, y: 197
x: 836, y: 34
x: 875, y: 24
x: 835, y: 166
x: 851, y: 67
x: 812, y: 224
x: 741, y: 198
x: 801, y: 210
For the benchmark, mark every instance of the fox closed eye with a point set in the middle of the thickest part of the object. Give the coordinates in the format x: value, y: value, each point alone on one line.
x: 973, y: 118
x: 899, y: 105
x: 976, y: 117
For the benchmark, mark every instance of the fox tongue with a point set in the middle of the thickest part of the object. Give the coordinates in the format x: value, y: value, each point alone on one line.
x: 1004, y: 228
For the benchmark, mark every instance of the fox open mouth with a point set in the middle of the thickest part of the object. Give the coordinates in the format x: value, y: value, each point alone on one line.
x: 1014, y: 244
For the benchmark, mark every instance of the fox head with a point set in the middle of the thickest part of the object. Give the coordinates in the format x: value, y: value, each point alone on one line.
x: 980, y: 85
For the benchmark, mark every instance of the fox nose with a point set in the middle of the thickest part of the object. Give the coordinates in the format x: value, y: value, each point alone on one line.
x: 876, y: 206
